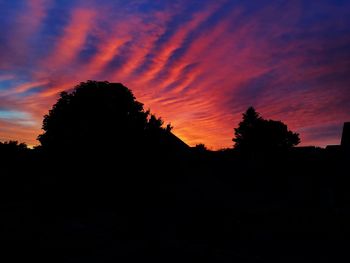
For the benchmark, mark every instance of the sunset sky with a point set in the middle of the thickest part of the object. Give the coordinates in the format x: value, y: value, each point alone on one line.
x: 196, y: 63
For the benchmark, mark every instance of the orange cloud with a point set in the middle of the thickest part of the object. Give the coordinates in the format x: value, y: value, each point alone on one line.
x: 72, y: 41
x: 197, y: 66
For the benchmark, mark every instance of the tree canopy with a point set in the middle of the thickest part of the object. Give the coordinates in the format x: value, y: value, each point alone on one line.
x: 255, y: 133
x: 99, y: 114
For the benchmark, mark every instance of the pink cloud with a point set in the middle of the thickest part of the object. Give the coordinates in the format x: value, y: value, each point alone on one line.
x: 199, y: 76
x: 72, y: 41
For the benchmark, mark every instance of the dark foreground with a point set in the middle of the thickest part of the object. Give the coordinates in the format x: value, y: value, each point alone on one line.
x: 206, y: 207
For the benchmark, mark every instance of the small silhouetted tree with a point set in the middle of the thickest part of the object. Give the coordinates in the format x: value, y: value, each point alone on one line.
x: 13, y: 151
x: 168, y: 127
x: 201, y: 147
x: 246, y: 133
x: 255, y: 134
x: 98, y: 115
x: 13, y: 148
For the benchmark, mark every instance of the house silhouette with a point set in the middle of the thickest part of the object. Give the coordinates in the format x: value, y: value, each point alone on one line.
x: 345, y: 139
x: 344, y: 148
x: 177, y: 143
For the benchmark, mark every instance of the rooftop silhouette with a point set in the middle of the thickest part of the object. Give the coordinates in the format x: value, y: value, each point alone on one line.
x: 345, y: 139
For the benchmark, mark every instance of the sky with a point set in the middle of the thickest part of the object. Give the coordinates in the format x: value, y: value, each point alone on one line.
x: 198, y: 64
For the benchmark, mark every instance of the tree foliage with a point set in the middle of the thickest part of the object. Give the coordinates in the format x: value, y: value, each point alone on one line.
x: 98, y: 114
x: 257, y: 134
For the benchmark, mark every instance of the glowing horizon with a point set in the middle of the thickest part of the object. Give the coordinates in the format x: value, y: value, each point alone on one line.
x: 197, y: 64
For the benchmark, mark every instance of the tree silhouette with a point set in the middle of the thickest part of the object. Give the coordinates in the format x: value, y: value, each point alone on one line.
x: 200, y: 148
x: 98, y: 114
x: 14, y: 146
x: 11, y: 149
x: 257, y: 134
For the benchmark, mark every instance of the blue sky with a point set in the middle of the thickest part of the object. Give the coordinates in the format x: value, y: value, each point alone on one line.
x: 197, y: 64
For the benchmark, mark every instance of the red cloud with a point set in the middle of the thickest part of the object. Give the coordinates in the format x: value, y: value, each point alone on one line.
x: 72, y: 41
x: 201, y: 75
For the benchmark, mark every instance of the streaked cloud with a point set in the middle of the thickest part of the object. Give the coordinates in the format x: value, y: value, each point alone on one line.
x: 198, y: 64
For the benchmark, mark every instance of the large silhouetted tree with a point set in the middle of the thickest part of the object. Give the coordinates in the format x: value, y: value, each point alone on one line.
x: 99, y: 114
x: 257, y: 134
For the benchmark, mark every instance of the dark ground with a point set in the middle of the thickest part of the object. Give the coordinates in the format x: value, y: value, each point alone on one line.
x: 207, y: 207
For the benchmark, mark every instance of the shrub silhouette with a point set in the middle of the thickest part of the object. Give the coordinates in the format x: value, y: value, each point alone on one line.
x: 99, y: 115
x: 14, y: 146
x: 200, y: 148
x: 255, y: 134
x: 13, y: 149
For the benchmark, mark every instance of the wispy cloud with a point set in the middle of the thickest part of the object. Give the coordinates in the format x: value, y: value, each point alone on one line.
x: 197, y: 64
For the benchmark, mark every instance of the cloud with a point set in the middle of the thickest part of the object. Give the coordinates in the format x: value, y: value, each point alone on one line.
x: 199, y: 65
x: 72, y: 40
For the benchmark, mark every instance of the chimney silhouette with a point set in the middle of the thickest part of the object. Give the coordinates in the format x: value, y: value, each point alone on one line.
x: 345, y: 139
